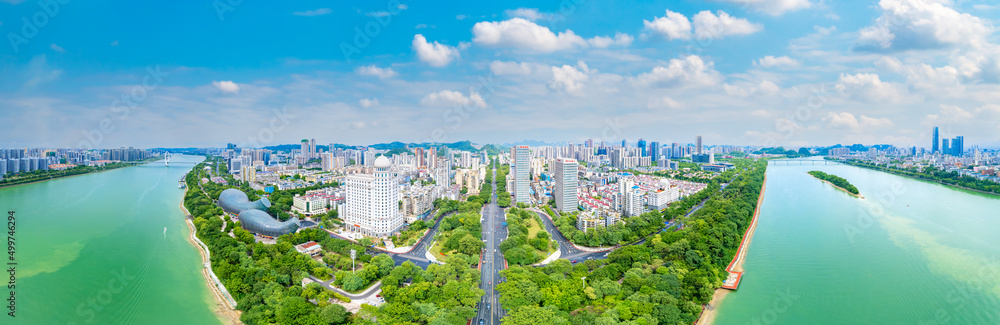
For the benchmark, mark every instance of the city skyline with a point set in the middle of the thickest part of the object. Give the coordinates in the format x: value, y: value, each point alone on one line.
x: 795, y: 73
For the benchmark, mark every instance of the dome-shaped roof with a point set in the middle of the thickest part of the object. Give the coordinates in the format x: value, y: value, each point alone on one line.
x: 382, y: 162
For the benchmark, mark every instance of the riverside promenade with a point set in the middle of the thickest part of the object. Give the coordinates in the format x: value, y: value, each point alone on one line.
x: 735, y: 267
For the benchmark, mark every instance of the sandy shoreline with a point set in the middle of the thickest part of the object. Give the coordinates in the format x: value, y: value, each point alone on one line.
x: 708, y: 314
x: 840, y: 188
x: 221, y: 309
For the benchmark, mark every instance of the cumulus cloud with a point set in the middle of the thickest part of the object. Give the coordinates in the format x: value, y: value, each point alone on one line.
x: 711, y: 26
x: 773, y: 7
x: 366, y: 103
x: 663, y: 102
x: 372, y: 70
x: 568, y: 78
x: 317, y: 12
x: 451, y: 98
x: 227, y: 86
x: 509, y: 68
x: 620, y: 39
x: 689, y: 71
x: 867, y: 87
x: 434, y: 54
x: 777, y: 62
x: 705, y: 25
x: 671, y: 26
x: 922, y: 76
x: 921, y: 24
x: 524, y: 34
x: 57, y: 48
x: 845, y: 120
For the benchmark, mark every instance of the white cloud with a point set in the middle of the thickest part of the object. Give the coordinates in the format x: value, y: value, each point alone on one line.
x: 372, y: 70
x: 922, y: 77
x: 921, y: 24
x: 227, y: 86
x: 435, y: 54
x: 451, y: 98
x: 531, y: 14
x: 460, y: 17
x: 510, y: 68
x: 955, y: 114
x: 57, y: 48
x: 691, y: 70
x: 663, y: 102
x: 773, y: 7
x: 777, y: 62
x: 867, y: 87
x: 710, y: 26
x: 420, y: 26
x: 569, y: 78
x: 521, y: 33
x: 845, y: 120
x: 317, y: 12
x: 115, y: 43
x: 671, y: 26
x: 402, y: 7
x: 366, y: 103
x: 39, y: 71
x: 620, y: 39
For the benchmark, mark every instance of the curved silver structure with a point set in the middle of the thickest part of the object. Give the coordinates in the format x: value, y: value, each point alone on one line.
x: 261, y: 223
x: 235, y: 201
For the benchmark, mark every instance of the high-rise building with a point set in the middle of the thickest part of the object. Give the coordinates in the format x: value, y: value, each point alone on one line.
x: 945, y: 148
x: 934, y: 141
x: 698, y: 145
x: 642, y: 148
x: 372, y: 204
x: 624, y: 145
x: 520, y: 159
x: 564, y: 174
x: 958, y: 146
x: 654, y: 150
x: 312, y: 149
x: 304, y: 148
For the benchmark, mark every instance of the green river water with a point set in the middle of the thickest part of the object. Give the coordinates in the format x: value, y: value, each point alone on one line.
x: 912, y: 252
x: 92, y: 249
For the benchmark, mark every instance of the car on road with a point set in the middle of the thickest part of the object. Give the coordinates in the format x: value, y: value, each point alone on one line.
x: 490, y: 283
x: 487, y: 306
x: 573, y: 261
x: 481, y: 322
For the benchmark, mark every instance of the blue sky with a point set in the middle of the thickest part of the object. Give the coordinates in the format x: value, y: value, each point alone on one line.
x: 746, y: 72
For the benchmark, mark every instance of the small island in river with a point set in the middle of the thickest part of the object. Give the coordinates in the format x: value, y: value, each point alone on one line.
x: 837, y: 182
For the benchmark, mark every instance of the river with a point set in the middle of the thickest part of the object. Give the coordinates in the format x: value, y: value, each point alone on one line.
x: 912, y: 252
x: 92, y: 249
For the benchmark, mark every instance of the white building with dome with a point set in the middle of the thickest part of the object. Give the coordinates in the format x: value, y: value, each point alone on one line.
x: 372, y: 206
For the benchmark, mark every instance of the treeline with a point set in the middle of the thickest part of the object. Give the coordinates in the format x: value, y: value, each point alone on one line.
x: 520, y: 248
x: 935, y: 174
x: 835, y: 180
x: 503, y: 197
x: 665, y: 280
x: 41, y: 175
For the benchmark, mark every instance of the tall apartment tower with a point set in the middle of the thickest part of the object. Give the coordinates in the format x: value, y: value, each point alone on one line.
x: 304, y: 148
x: 935, y: 142
x: 521, y: 157
x: 372, y: 205
x: 697, y: 145
x: 564, y: 173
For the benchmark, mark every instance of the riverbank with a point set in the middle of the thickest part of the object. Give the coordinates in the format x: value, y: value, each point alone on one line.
x: 897, y: 173
x: 736, y: 265
x: 222, y: 310
x: 64, y: 176
x: 838, y: 187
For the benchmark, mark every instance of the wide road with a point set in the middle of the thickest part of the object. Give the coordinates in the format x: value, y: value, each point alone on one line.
x: 490, y: 311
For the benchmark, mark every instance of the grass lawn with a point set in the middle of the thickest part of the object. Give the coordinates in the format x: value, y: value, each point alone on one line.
x: 533, y: 229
